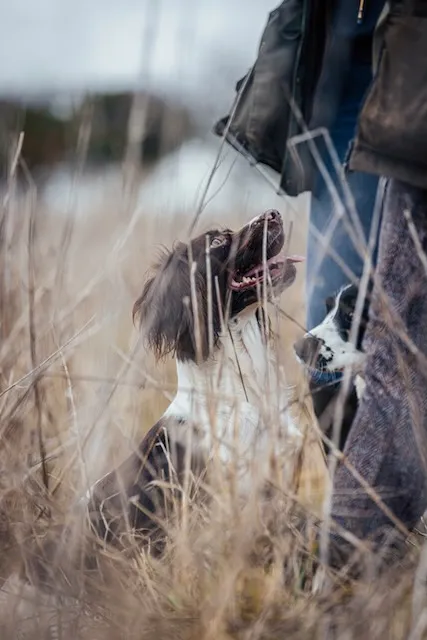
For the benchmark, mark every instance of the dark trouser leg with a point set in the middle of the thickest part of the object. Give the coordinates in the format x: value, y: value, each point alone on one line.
x: 388, y: 438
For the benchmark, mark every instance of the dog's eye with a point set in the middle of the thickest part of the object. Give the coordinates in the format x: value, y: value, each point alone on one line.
x: 218, y: 241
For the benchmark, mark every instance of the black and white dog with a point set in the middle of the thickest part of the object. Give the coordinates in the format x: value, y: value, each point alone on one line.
x: 204, y: 305
x: 326, y: 351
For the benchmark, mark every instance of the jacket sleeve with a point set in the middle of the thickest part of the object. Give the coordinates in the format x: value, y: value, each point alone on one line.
x: 391, y: 138
x: 272, y: 98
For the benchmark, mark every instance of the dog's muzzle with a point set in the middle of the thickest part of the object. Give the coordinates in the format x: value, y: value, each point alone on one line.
x: 307, y: 350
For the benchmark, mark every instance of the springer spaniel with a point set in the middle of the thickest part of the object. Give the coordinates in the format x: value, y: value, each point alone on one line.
x: 204, y: 305
x: 326, y: 350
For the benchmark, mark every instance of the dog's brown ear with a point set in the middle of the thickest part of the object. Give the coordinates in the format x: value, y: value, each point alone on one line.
x: 137, y: 306
x: 166, y: 312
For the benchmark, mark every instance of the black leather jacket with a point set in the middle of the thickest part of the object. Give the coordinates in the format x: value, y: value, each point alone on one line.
x: 296, y: 82
x: 278, y: 90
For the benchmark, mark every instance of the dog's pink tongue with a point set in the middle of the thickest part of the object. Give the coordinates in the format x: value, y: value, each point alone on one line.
x: 295, y: 259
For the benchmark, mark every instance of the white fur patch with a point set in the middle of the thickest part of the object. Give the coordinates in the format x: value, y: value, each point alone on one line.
x: 238, y: 400
x: 337, y: 353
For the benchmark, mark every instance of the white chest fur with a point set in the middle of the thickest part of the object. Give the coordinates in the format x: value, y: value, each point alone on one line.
x: 238, y: 399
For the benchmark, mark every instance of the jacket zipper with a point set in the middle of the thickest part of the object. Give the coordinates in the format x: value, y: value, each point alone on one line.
x: 361, y: 11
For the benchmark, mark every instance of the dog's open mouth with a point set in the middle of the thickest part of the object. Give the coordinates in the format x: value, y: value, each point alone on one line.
x: 277, y: 268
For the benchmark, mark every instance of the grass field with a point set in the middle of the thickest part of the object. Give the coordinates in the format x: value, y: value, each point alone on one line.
x: 72, y: 377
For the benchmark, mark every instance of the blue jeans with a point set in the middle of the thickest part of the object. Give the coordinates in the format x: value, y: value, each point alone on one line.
x: 324, y: 275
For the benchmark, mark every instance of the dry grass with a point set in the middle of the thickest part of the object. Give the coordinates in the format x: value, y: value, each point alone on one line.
x: 72, y: 381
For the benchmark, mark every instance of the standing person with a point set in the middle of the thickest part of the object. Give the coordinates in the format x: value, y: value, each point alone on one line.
x: 387, y: 445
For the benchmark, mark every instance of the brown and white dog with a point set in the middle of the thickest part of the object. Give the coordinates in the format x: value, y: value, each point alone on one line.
x: 204, y: 305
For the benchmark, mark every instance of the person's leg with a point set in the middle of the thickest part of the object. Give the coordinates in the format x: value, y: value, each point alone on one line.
x: 387, y: 442
x: 324, y: 276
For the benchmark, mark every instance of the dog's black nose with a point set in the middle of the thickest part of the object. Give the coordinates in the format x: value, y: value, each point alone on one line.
x: 271, y: 216
x: 307, y: 348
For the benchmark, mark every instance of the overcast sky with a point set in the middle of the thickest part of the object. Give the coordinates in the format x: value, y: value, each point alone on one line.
x: 192, y: 47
